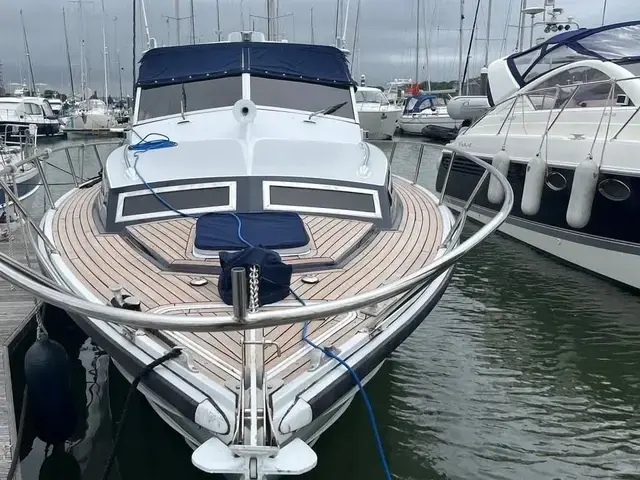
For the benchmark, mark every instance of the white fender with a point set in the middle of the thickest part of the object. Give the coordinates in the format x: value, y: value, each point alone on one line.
x: 501, y: 161
x: 533, y: 185
x: 583, y: 191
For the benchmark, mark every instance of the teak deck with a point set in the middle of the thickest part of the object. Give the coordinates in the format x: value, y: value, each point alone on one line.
x: 155, y: 262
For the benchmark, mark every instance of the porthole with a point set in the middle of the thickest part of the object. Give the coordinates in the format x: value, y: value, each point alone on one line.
x: 556, y: 181
x: 614, y: 190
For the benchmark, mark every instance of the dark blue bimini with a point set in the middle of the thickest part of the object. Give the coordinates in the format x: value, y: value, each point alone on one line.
x: 271, y: 230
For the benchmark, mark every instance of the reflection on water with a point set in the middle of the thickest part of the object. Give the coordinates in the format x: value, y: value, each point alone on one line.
x: 526, y: 369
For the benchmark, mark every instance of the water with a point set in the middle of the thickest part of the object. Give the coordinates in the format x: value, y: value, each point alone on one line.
x: 526, y: 369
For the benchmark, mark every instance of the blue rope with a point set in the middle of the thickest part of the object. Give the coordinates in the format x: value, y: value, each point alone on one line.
x: 356, y: 379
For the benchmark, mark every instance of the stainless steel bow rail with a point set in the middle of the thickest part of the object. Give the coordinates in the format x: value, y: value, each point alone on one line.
x: 46, y: 290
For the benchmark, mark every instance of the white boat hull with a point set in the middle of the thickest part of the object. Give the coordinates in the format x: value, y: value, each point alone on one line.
x: 602, y: 260
x: 90, y: 121
x: 379, y: 123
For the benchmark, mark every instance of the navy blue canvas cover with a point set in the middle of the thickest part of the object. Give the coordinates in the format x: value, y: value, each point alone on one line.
x: 273, y: 230
x: 274, y: 275
x: 321, y: 64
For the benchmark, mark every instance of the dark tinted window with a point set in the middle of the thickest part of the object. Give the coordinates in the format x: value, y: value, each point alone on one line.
x: 308, y: 97
x: 333, y: 199
x: 558, y: 90
x: 165, y: 100
x: 179, y: 200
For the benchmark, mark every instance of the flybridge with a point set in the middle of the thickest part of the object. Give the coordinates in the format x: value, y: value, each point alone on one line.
x: 319, y: 64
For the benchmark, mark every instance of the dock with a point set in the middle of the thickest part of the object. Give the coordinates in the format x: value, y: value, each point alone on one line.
x: 17, y: 308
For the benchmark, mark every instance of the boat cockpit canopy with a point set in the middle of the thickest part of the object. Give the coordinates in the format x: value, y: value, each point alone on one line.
x: 419, y: 103
x: 619, y: 43
x: 206, y: 76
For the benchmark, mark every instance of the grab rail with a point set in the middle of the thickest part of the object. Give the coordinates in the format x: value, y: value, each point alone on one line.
x: 268, y: 318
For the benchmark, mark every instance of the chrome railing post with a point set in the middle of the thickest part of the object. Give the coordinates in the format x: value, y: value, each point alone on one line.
x: 16, y: 203
x: 419, y: 164
x: 45, y: 183
x: 71, y: 169
x: 446, y: 178
x: 393, y: 151
x: 95, y: 149
x: 239, y: 293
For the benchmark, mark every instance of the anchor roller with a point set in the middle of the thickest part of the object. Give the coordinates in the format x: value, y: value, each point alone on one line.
x: 501, y: 161
x: 533, y: 185
x: 583, y: 191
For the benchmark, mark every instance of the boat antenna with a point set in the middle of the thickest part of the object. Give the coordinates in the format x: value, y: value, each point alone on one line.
x: 417, y: 43
x: 151, y: 41
x: 104, y: 45
x: 66, y: 40
x: 313, y: 36
x: 345, y: 19
x: 355, y: 37
x: 26, y: 48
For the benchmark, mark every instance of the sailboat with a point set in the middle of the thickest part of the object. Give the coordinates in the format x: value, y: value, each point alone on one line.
x: 425, y: 111
x: 91, y: 114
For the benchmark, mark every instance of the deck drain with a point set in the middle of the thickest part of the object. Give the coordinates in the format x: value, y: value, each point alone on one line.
x: 310, y: 279
x: 199, y: 282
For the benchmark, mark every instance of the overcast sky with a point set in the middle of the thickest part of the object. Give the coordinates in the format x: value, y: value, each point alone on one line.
x: 386, y: 47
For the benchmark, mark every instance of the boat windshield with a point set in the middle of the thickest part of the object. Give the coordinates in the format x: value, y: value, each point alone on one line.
x: 369, y: 96
x: 48, y: 111
x: 225, y: 92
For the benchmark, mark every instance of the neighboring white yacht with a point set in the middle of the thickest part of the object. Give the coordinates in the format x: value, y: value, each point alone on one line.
x: 396, y: 90
x: 565, y: 128
x: 25, y: 111
x: 425, y: 112
x: 377, y: 116
x: 17, y: 144
x: 89, y: 115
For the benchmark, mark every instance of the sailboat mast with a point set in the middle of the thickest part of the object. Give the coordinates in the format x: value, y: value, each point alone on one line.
x: 193, y: 23
x: 66, y: 41
x: 417, y: 42
x: 218, y: 32
x: 460, y: 80
x: 313, y: 35
x: 83, y: 73
x: 486, y: 46
x: 177, y: 6
x: 105, y: 61
x: 26, y: 48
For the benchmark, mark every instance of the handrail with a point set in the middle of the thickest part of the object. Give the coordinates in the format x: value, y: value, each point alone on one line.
x: 269, y: 318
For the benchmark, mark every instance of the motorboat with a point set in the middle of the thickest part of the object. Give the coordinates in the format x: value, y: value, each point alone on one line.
x: 25, y: 111
x: 247, y: 259
x: 16, y: 145
x: 564, y: 126
x: 89, y: 115
x: 396, y: 90
x: 377, y: 116
x: 56, y: 106
x: 426, y: 114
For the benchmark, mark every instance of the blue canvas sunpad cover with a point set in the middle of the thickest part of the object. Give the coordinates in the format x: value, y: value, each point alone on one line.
x: 271, y: 230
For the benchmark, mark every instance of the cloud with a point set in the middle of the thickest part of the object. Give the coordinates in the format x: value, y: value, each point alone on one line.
x: 386, y: 46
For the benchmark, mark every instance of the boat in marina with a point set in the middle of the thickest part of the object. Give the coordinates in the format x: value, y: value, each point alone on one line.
x: 247, y: 254
x: 426, y: 114
x: 20, y: 112
x: 17, y: 144
x: 378, y: 117
x: 564, y: 127
x: 91, y: 114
